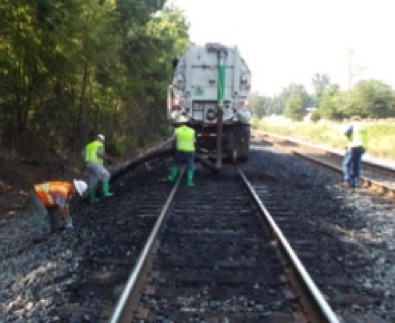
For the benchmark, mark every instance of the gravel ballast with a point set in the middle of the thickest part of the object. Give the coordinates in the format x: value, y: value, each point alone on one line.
x: 36, y: 275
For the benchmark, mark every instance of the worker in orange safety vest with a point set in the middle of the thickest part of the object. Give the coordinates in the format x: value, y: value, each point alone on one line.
x: 52, y: 198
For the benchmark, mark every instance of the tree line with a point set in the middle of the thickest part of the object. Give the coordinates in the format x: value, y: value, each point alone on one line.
x: 70, y: 68
x: 367, y: 98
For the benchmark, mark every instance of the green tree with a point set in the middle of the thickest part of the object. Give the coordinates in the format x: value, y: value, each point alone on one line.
x: 296, y: 102
x: 329, y: 107
x: 72, y: 67
x: 277, y: 105
x: 261, y: 105
x: 371, y: 98
x: 147, y: 53
x: 320, y: 83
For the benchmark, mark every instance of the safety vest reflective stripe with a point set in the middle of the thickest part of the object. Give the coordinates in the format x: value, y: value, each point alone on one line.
x: 47, y: 190
x: 91, y: 152
x: 185, y: 138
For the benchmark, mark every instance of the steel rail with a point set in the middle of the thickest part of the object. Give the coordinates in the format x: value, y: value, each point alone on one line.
x: 122, y: 312
x: 374, y: 185
x: 365, y: 182
x: 381, y: 164
x: 316, y: 299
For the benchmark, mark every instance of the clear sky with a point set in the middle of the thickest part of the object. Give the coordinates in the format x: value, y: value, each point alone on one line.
x: 288, y: 41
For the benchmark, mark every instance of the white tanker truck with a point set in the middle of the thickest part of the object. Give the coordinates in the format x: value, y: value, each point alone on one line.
x: 211, y: 86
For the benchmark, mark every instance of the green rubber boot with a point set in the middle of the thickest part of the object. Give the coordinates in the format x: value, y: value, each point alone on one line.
x: 190, y: 174
x: 92, y: 195
x: 106, y: 189
x: 173, y: 174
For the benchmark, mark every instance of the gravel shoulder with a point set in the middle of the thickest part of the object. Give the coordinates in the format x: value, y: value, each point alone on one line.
x: 35, y: 276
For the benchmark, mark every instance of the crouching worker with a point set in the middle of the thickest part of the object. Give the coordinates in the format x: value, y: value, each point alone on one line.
x: 95, y: 155
x: 185, y: 150
x: 52, y: 198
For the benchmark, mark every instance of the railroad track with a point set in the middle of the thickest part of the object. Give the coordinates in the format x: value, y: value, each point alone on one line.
x: 346, y: 255
x: 216, y: 260
x: 208, y: 260
x: 379, y: 177
x: 112, y: 234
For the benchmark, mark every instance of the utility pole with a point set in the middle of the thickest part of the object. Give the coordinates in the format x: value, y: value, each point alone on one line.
x: 350, y: 69
x: 354, y: 71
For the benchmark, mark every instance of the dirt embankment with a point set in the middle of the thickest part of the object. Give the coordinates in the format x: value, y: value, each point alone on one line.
x: 18, y: 173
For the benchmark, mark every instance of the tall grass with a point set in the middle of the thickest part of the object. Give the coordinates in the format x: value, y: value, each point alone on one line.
x: 380, y: 134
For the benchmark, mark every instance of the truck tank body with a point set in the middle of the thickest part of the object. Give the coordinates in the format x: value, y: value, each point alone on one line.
x: 211, y: 86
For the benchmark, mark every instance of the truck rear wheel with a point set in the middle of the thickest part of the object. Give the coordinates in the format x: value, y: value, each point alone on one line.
x: 240, y: 143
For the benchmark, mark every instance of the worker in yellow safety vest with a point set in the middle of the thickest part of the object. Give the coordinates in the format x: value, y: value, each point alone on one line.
x: 95, y: 155
x: 184, y: 138
x: 357, y: 143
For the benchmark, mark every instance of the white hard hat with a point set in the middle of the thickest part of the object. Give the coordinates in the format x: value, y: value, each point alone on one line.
x: 80, y: 186
x: 101, y: 137
x: 181, y: 119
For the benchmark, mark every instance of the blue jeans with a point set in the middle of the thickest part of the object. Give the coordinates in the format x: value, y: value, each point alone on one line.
x: 351, y: 165
x: 187, y: 157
